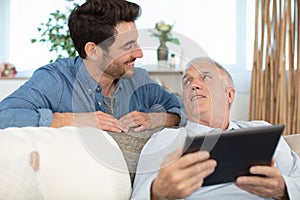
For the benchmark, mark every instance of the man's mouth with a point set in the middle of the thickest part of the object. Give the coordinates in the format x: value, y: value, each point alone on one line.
x: 197, y: 97
x: 130, y: 63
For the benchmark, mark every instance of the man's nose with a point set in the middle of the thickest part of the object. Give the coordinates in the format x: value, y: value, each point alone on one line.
x: 197, y: 84
x: 137, y: 52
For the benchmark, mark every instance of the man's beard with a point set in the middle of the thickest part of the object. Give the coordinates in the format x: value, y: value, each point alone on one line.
x: 119, y: 71
x: 119, y: 74
x: 127, y: 74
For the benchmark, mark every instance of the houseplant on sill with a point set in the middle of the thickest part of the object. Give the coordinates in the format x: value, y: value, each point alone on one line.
x: 56, y: 33
x: 163, y: 32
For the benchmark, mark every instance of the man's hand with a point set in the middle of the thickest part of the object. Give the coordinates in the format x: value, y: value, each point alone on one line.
x: 180, y: 176
x: 97, y: 119
x: 272, y: 185
x: 143, y: 121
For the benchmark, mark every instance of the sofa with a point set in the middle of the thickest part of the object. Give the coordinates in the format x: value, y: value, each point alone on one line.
x: 294, y: 142
x: 74, y: 163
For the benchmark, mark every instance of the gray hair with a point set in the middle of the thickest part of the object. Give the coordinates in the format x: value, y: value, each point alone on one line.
x: 211, y: 61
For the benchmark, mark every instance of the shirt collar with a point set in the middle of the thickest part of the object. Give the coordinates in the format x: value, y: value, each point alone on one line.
x: 199, y: 129
x: 83, y: 76
x: 232, y: 126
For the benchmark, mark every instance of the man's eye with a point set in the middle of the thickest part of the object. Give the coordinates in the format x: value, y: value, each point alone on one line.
x: 128, y: 46
x: 206, y: 77
x: 186, y: 82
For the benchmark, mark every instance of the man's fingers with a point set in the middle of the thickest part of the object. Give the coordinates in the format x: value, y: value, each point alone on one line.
x: 192, y: 158
x: 196, y: 174
x: 265, y: 170
x: 135, y: 119
x: 109, y: 123
x: 114, y: 126
x: 140, y: 128
x: 186, y: 172
x: 259, y: 190
x: 111, y: 128
x: 188, y: 159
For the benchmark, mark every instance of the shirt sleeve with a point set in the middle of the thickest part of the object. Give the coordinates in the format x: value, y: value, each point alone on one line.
x: 288, y: 164
x: 33, y: 102
x: 153, y: 153
x: 17, y: 117
x: 158, y: 99
x: 45, y: 117
x: 163, y: 101
x: 142, y: 187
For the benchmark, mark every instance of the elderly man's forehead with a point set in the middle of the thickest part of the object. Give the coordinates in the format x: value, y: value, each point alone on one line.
x: 200, y: 64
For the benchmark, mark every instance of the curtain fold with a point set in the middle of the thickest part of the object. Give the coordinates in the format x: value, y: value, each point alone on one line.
x: 275, y: 84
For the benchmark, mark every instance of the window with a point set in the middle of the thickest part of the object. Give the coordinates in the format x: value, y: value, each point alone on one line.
x: 225, y: 34
x: 25, y: 17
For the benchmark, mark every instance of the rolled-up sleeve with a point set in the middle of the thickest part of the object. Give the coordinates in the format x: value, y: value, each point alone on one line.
x: 25, y: 117
x: 33, y: 103
x: 45, y: 118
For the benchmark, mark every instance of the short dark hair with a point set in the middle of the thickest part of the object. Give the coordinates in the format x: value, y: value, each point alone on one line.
x: 95, y: 21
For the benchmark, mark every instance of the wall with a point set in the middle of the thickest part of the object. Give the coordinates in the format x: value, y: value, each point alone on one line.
x: 4, y: 24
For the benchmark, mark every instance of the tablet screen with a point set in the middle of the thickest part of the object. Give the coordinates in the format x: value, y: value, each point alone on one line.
x: 236, y: 150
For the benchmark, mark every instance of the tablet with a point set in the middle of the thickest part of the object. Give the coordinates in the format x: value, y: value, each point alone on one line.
x: 236, y: 150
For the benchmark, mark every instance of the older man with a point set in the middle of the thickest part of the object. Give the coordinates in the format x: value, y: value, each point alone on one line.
x: 163, y: 173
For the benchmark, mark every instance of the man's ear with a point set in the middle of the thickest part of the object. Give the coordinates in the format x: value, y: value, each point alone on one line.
x: 230, y: 94
x: 92, y: 50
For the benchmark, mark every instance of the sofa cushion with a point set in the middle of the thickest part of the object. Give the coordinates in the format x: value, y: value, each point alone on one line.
x: 75, y: 163
x: 294, y: 142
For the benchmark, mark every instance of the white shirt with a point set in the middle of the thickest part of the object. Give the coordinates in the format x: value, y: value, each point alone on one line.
x: 168, y: 140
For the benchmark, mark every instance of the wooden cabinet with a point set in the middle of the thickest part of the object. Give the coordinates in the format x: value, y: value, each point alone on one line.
x: 169, y: 79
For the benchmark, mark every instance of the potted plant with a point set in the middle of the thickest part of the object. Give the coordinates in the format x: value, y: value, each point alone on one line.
x: 7, y: 70
x: 56, y: 33
x: 163, y: 32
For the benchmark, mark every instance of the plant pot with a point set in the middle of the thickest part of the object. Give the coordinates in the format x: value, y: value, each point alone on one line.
x: 162, y: 52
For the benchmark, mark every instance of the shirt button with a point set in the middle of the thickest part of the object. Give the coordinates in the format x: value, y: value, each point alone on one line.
x: 99, y: 103
x: 89, y: 91
x: 97, y: 89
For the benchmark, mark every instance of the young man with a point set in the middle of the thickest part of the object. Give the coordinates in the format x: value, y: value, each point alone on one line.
x: 99, y: 88
x: 163, y: 173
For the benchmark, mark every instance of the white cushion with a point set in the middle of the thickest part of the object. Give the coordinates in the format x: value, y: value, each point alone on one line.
x: 75, y: 163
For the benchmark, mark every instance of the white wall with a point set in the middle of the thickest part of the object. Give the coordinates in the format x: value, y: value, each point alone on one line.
x: 4, y: 24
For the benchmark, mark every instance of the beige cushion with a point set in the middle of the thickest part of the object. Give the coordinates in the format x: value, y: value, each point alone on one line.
x: 75, y: 163
x: 294, y: 142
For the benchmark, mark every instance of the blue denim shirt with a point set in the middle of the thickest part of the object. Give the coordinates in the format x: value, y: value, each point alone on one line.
x: 66, y: 86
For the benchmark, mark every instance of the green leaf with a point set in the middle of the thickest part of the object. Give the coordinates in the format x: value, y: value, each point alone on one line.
x: 175, y: 41
x: 55, y: 32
